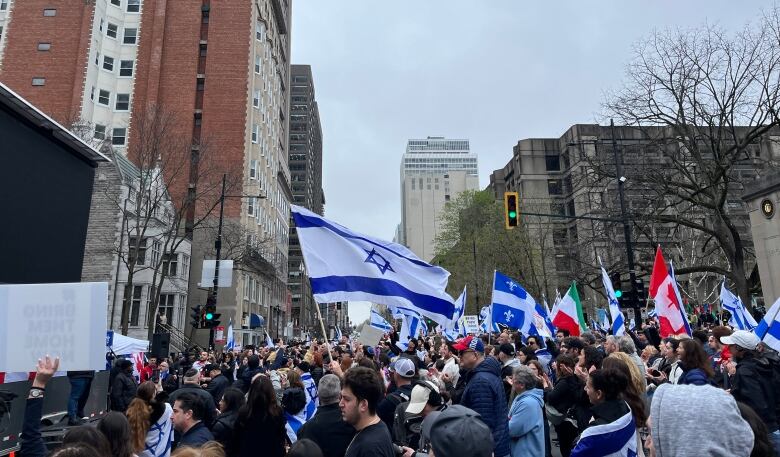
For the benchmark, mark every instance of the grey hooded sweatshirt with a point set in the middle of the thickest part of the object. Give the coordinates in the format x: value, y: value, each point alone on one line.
x: 679, y: 413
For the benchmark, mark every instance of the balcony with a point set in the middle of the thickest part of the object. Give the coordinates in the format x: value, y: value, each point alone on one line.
x: 281, y: 7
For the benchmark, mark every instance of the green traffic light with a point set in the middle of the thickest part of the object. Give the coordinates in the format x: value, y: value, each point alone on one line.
x: 209, y: 316
x: 618, y: 293
x: 513, y: 214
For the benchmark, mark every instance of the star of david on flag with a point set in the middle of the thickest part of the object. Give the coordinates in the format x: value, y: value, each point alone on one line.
x: 348, y: 266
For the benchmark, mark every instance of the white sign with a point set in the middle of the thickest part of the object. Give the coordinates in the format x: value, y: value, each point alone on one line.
x: 62, y: 320
x: 225, y: 273
x: 471, y: 324
x: 370, y: 336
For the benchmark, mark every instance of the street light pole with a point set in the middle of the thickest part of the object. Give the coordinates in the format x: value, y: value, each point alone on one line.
x: 626, y: 227
x: 218, y: 248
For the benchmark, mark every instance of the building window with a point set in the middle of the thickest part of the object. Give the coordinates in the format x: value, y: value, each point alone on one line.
x: 111, y: 30
x: 3, y: 5
x: 554, y: 187
x: 552, y: 163
x: 136, y: 250
x: 130, y: 36
x: 255, y: 133
x: 1, y: 31
x: 108, y: 63
x: 250, y: 206
x: 43, y: 46
x: 116, y: 2
x: 100, y: 132
x: 102, y: 21
x: 252, y: 169
x: 257, y: 64
x: 126, y: 68
x: 49, y: 12
x: 166, y: 306
x: 135, y: 307
x: 260, y: 30
x: 119, y: 136
x: 122, y: 102
x: 92, y: 94
x: 133, y: 6
x: 104, y: 97
x: 171, y: 265
x: 185, y: 266
x: 256, y: 99
x: 39, y: 81
x: 97, y: 58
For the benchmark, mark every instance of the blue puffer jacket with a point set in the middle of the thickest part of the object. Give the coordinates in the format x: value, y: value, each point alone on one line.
x: 485, y: 394
x: 696, y: 377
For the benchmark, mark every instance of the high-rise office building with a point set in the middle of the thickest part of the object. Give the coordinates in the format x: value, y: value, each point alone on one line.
x: 306, y: 183
x: 433, y: 172
x: 222, y: 68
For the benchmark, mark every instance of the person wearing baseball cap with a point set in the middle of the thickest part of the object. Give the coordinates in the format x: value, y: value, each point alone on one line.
x: 458, y: 432
x: 484, y: 392
x: 751, y: 383
x: 426, y: 398
x: 506, y: 355
x: 402, y: 372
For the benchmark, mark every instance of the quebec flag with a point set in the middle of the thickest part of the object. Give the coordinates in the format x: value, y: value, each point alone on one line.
x: 512, y: 305
x: 616, y: 439
x: 344, y: 265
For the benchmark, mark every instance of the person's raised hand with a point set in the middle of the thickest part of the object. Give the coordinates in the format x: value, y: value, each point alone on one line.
x: 45, y: 370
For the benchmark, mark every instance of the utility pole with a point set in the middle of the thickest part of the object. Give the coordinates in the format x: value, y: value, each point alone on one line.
x: 626, y: 227
x: 218, y: 248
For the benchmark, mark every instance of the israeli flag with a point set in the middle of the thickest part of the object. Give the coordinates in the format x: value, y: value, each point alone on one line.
x: 768, y: 330
x: 379, y: 322
x: 740, y: 317
x: 542, y: 324
x: 512, y: 305
x: 652, y: 313
x: 616, y: 439
x: 618, y: 323
x: 338, y: 333
x: 460, y: 308
x: 231, y: 341
x: 268, y: 341
x: 631, y: 324
x: 312, y: 399
x: 411, y: 327
x: 344, y: 265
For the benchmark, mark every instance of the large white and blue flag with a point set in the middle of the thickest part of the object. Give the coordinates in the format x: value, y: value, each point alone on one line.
x: 512, y: 305
x: 379, y: 322
x: 618, y: 323
x: 231, y: 339
x: 460, y: 308
x: 768, y: 330
x: 344, y: 265
x: 740, y: 317
x: 616, y: 439
x: 411, y: 327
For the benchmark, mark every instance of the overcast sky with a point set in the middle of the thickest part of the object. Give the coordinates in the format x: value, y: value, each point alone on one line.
x: 491, y: 71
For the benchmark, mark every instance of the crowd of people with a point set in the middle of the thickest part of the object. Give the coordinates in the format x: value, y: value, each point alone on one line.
x: 716, y: 393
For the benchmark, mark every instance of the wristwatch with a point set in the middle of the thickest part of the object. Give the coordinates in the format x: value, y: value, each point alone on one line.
x: 35, y: 392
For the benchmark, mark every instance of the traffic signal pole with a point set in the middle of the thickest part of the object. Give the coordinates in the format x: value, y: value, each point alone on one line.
x: 218, y: 248
x: 634, y: 298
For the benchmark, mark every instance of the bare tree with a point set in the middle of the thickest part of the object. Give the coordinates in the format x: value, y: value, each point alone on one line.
x: 705, y: 103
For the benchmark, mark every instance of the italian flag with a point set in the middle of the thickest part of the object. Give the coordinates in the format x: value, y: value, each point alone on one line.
x: 569, y: 314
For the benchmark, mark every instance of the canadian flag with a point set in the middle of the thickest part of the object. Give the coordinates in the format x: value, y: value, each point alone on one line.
x: 663, y: 289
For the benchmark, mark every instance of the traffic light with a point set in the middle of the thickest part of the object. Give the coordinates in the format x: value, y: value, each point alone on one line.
x: 617, y: 284
x: 210, y: 314
x: 197, y: 316
x: 511, y: 213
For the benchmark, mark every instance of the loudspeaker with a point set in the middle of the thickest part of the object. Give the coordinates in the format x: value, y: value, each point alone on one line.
x: 161, y: 345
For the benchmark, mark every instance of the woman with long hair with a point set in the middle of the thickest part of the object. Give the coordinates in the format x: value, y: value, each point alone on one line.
x: 634, y: 393
x: 232, y: 400
x: 562, y: 403
x: 116, y: 429
x: 151, y: 429
x: 260, y: 420
x: 543, y: 381
x: 697, y: 368
x: 636, y: 383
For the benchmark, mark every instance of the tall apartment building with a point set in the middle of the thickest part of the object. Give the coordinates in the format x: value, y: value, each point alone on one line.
x: 433, y: 171
x: 222, y: 68
x: 556, y: 176
x: 306, y: 184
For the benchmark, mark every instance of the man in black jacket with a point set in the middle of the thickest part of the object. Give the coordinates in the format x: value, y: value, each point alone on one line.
x: 752, y: 382
x: 326, y: 427
x: 124, y: 386
x: 218, y: 383
x: 192, y: 386
x: 188, y: 414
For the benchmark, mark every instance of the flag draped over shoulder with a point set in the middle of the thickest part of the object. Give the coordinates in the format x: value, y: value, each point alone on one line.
x: 616, y: 439
x: 512, y: 305
x: 344, y: 265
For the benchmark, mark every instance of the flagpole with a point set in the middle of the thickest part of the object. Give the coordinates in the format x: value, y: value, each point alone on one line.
x: 322, y: 326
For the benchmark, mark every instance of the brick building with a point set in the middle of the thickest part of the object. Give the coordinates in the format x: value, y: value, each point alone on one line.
x: 221, y: 68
